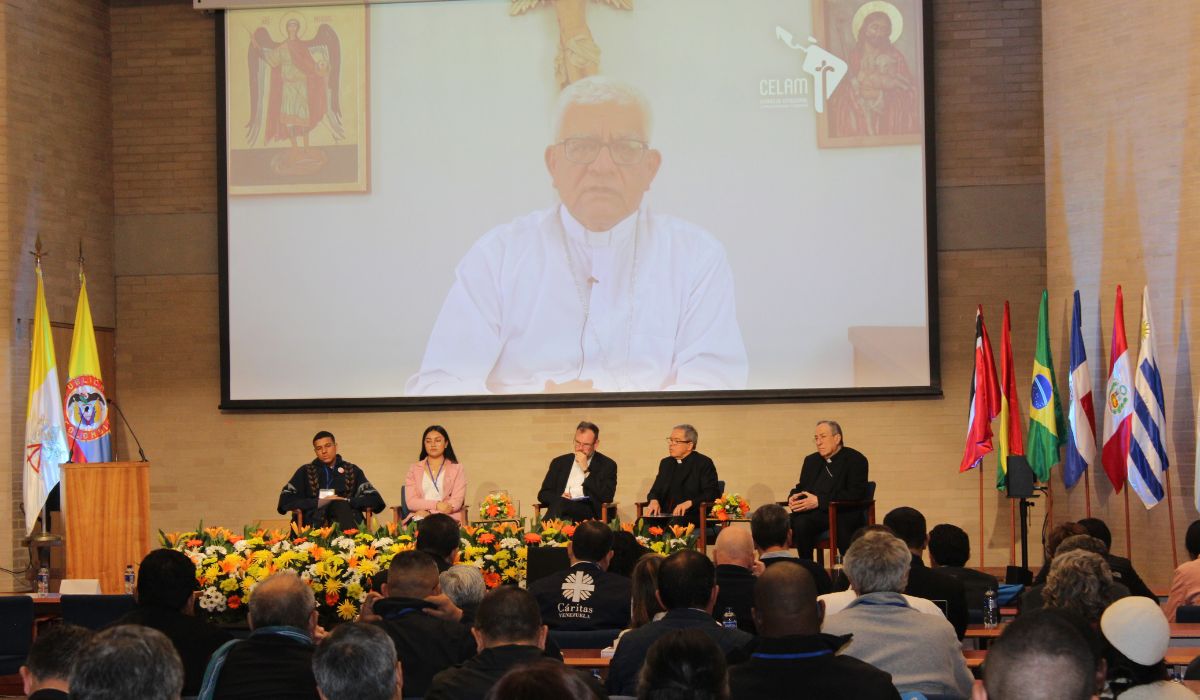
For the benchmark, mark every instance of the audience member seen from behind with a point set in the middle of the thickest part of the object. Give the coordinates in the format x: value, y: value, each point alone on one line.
x: 1138, y: 635
x: 46, y: 673
x: 792, y: 658
x: 276, y: 660
x: 1080, y: 581
x: 585, y: 596
x: 920, y: 651
x: 463, y: 585
x: 626, y: 552
x: 439, y: 537
x: 1057, y: 534
x: 644, y: 607
x: 687, y: 590
x: 771, y: 528
x: 1185, y: 584
x: 949, y: 550
x: 125, y: 662
x: 436, y: 482
x: 923, y: 582
x: 1034, y: 597
x: 684, y: 664
x: 1039, y: 656
x: 357, y: 662
x: 166, y: 583
x: 544, y: 679
x: 837, y: 601
x: 1122, y: 569
x: 734, y: 557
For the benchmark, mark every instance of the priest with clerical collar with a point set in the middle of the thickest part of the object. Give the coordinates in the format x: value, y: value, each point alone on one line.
x: 684, y: 480
x: 833, y: 473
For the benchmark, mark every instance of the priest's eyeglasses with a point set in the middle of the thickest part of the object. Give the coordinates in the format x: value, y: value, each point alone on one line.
x: 584, y: 151
x: 673, y: 441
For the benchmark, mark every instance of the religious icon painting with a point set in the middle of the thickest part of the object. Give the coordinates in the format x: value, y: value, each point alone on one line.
x: 879, y: 99
x: 296, y: 106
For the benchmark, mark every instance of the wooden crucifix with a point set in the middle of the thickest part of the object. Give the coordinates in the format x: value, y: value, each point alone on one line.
x: 578, y: 54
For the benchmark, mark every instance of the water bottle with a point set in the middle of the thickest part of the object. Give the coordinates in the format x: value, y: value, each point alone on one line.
x: 130, y: 580
x: 43, y: 581
x: 991, y: 610
x: 729, y: 620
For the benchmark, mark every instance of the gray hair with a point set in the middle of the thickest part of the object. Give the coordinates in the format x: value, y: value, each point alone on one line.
x: 877, y: 562
x: 281, y: 599
x: 833, y: 426
x: 689, y: 434
x: 598, y: 90
x: 463, y: 584
x: 128, y: 661
x: 1080, y: 581
x: 356, y: 662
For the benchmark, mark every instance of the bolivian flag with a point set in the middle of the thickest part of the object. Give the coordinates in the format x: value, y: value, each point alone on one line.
x: 1046, y: 421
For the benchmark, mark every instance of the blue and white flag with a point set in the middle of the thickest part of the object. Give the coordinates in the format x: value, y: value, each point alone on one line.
x: 1147, y: 464
x: 1081, y: 438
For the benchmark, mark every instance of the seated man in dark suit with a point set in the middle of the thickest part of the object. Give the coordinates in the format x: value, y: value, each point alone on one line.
x: 578, y: 483
x: 585, y: 596
x: 792, y: 659
x: 949, y: 550
x: 734, y: 557
x: 833, y: 473
x: 413, y: 613
x: 46, y: 673
x: 509, y: 632
x: 684, y: 479
x: 329, y: 489
x: 687, y: 590
x: 276, y: 660
x: 438, y: 536
x: 1122, y: 569
x: 166, y: 581
x: 770, y: 526
x: 923, y: 582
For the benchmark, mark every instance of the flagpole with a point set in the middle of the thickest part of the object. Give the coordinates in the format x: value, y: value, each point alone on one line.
x: 1087, y: 492
x: 1050, y: 501
x: 1128, y: 532
x: 982, y: 540
x: 1171, y: 515
x: 1012, y: 532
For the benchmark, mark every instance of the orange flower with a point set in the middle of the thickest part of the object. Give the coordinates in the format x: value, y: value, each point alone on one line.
x: 492, y: 510
x: 391, y: 529
x: 511, y: 511
x: 655, y: 530
x: 568, y: 530
x: 491, y: 579
x: 352, y: 562
x: 331, y: 599
x: 470, y: 530
x: 234, y: 539
x: 234, y: 602
x: 194, y: 542
x: 533, y: 538
x: 300, y: 540
x: 681, y: 531
x: 487, y: 538
x: 351, y: 532
x: 317, y: 553
x: 627, y: 527
x: 722, y: 515
x: 745, y: 507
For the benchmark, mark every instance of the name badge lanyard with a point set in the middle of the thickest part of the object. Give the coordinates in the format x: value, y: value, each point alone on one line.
x: 434, y: 479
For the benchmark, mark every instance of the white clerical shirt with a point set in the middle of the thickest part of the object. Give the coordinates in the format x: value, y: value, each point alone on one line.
x: 646, y: 306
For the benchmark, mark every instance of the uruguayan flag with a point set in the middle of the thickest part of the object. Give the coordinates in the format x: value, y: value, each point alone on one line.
x: 1147, y: 463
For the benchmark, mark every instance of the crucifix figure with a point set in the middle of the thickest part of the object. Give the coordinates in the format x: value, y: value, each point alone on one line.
x: 578, y: 55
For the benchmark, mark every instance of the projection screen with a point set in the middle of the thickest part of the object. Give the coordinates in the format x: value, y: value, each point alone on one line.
x: 477, y: 201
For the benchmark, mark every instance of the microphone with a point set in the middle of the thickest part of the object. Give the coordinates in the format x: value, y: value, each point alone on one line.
x: 113, y: 403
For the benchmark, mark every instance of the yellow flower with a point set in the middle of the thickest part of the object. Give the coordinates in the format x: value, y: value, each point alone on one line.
x: 316, y: 586
x: 212, y: 572
x: 511, y: 573
x: 229, y: 585
x: 522, y: 553
x: 368, y: 567
x: 347, y: 610
x: 657, y: 546
x: 354, y: 591
x: 333, y: 585
x: 247, y: 584
x: 502, y: 556
x: 262, y: 556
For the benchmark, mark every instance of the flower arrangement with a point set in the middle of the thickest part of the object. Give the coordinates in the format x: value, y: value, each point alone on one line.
x: 550, y: 533
x: 338, y: 565
x: 664, y: 540
x: 498, y: 550
x: 497, y: 506
x: 730, y: 505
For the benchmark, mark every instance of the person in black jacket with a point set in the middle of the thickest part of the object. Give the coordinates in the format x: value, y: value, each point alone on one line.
x: 577, y: 484
x: 1122, y: 569
x: 329, y: 489
x: 734, y: 557
x: 833, y: 473
x: 949, y: 550
x: 771, y: 529
x: 792, y: 658
x: 923, y: 582
x: 509, y: 631
x: 684, y: 479
x: 46, y: 673
x: 585, y: 596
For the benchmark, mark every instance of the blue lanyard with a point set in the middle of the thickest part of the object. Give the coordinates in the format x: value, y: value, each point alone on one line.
x: 795, y: 655
x: 901, y: 604
x: 432, y: 478
x: 399, y: 613
x: 327, y: 472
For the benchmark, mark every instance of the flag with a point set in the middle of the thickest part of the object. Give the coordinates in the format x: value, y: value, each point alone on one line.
x: 1011, y: 441
x: 45, y: 443
x: 1147, y: 461
x: 1045, y: 410
x: 985, y: 399
x: 1081, y: 438
x: 87, y: 407
x: 1118, y: 403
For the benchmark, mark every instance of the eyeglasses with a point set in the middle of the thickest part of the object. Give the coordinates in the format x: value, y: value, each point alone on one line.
x: 583, y: 445
x: 819, y: 438
x: 584, y: 151
x: 673, y: 441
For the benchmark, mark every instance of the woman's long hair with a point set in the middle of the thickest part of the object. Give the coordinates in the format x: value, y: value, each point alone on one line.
x: 449, y: 447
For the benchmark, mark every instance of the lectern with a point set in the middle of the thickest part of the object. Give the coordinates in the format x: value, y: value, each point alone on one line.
x: 106, y: 508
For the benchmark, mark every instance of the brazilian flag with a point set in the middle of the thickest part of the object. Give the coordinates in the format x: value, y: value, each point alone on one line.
x: 1047, y: 429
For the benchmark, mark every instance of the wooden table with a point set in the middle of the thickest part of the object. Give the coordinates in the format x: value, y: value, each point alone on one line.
x: 587, y: 659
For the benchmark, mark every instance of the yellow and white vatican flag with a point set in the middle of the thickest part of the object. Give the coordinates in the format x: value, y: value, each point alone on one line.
x: 45, y: 439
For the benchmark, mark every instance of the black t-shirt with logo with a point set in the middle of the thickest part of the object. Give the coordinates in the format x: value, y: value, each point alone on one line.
x: 583, y: 597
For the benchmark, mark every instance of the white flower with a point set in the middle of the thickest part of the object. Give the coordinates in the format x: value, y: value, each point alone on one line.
x: 215, y: 549
x: 510, y: 543
x: 343, y: 542
x: 240, y: 545
x: 304, y: 546
x: 212, y: 600
x: 382, y: 542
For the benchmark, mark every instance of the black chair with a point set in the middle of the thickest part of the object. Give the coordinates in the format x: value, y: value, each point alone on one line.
x: 544, y: 561
x: 94, y: 611
x: 1193, y: 670
x: 16, y: 632
x: 1187, y: 613
x: 588, y: 639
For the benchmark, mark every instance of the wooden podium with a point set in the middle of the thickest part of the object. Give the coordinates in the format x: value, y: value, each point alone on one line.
x: 106, y: 508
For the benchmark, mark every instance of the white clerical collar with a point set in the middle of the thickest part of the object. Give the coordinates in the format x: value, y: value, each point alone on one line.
x: 598, y: 239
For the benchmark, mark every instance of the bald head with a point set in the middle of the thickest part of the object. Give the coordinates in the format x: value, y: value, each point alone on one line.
x: 785, y: 601
x: 735, y: 546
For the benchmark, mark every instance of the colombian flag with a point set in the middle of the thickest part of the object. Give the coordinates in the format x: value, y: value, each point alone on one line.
x: 45, y: 445
x: 1045, y: 411
x: 85, y: 403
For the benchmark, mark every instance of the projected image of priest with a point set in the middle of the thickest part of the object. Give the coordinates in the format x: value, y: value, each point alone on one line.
x: 597, y: 293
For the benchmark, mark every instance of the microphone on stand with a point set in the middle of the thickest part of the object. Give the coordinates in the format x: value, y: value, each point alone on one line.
x: 141, y: 452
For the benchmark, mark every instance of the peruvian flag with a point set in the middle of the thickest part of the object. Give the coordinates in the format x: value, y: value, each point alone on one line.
x: 1118, y: 401
x: 985, y: 399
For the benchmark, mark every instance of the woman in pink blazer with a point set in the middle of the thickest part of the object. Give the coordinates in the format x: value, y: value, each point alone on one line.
x: 436, y: 483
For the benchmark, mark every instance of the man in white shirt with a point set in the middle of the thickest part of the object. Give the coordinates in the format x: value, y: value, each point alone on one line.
x: 597, y: 294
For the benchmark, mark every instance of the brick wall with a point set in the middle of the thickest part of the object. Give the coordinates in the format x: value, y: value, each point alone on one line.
x: 56, y: 182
